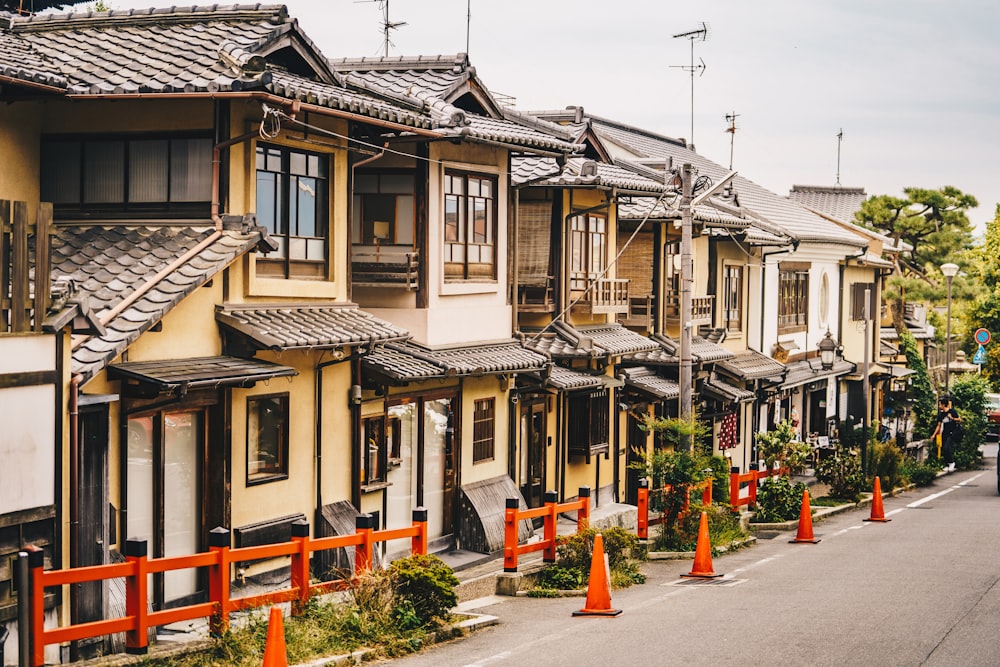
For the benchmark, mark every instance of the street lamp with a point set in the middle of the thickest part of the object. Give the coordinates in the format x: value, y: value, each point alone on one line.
x: 950, y: 271
x: 827, y: 351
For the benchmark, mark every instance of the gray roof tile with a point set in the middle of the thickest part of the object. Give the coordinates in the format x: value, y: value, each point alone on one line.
x: 716, y: 387
x: 581, y: 172
x: 566, y: 379
x: 597, y: 341
x: 838, y: 201
x: 807, y: 370
x: 306, y: 326
x: 752, y: 365
x: 407, y: 362
x: 89, y: 256
x: 651, y: 382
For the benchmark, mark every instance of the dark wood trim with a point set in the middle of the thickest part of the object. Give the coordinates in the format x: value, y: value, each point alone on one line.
x: 28, y: 379
x: 794, y: 266
x: 420, y: 225
x: 27, y: 516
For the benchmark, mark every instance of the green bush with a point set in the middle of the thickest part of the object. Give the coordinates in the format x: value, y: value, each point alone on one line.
x: 919, y: 473
x: 778, y: 499
x: 841, y: 471
x: 884, y: 460
x: 969, y: 392
x: 575, y: 552
x: 780, y: 446
x: 427, y: 584
x: 724, y: 526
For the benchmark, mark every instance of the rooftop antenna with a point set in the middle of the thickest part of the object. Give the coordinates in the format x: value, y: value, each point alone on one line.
x: 387, y: 25
x: 731, y: 119
x: 468, y: 24
x: 840, y: 140
x: 699, y: 35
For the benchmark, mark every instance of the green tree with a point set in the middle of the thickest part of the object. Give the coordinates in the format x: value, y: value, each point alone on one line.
x: 924, y: 407
x: 780, y: 446
x: 984, y: 310
x: 969, y: 392
x: 936, y: 229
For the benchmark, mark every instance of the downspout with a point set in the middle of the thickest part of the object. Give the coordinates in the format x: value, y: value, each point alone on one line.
x: 356, y: 443
x: 616, y: 468
x: 560, y: 464
x: 74, y: 485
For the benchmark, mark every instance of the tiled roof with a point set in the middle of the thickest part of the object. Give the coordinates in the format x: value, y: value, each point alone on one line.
x: 183, y: 374
x: 407, y: 362
x: 438, y: 75
x: 565, y: 341
x: 838, y: 201
x: 807, y: 370
x: 306, y: 326
x: 18, y: 60
x: 703, y: 350
x: 752, y: 365
x: 919, y: 331
x: 504, y: 131
x: 886, y: 350
x: 108, y: 264
x: 155, y: 50
x: 649, y: 381
x: 718, y: 388
x: 790, y: 217
x: 582, y: 172
x: 566, y: 379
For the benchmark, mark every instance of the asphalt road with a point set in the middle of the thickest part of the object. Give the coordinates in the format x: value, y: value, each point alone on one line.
x: 919, y: 590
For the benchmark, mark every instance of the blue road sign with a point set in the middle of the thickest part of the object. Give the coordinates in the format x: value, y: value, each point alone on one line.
x: 980, y: 356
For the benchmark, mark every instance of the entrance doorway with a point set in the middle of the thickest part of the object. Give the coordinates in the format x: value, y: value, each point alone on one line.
x: 531, y: 465
x: 93, y: 538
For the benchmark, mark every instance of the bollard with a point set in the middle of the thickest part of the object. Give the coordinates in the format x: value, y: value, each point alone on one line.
x: 643, y: 507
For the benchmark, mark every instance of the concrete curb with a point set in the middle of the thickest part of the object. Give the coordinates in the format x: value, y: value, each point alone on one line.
x: 687, y: 555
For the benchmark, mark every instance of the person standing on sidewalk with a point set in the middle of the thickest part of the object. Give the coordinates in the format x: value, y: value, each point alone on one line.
x: 947, y: 428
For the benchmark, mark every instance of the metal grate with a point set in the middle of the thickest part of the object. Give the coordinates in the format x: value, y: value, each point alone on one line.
x: 707, y: 582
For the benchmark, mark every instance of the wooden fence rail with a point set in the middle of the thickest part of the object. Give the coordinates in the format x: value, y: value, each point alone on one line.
x: 550, y: 511
x: 219, y: 559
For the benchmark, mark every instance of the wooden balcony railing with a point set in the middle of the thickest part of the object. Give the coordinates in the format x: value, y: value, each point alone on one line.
x: 384, y: 266
x: 701, y: 309
x: 536, y: 296
x: 641, y: 312
x: 608, y: 295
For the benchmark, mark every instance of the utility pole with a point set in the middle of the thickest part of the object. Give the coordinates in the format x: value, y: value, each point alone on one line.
x: 865, y: 387
x: 687, y: 222
x: 840, y: 140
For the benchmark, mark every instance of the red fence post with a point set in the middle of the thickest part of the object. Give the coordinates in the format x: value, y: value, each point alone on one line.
x: 419, y: 547
x: 36, y: 565
x: 706, y: 494
x: 549, y: 532
x: 753, y: 485
x: 300, y: 566
x: 583, y: 514
x: 510, y: 535
x: 643, y: 507
x: 734, y: 487
x: 137, y: 598
x: 363, y: 526
x: 219, y: 541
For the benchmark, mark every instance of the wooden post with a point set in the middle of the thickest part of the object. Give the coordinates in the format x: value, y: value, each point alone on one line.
x: 734, y: 487
x: 510, y: 535
x: 4, y: 264
x: 137, y: 598
x: 419, y: 547
x: 36, y: 567
x: 549, y: 531
x: 363, y: 525
x: 219, y: 540
x: 643, y: 506
x: 19, y: 271
x: 583, y: 514
x: 43, y: 264
x: 753, y: 485
x: 300, y: 566
x: 706, y: 493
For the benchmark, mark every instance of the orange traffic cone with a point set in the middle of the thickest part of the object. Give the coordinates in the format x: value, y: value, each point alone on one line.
x: 275, y: 653
x: 599, y: 586
x: 702, y: 568
x: 878, y: 514
x: 805, y: 533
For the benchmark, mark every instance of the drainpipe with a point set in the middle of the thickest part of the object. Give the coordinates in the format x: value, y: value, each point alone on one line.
x: 356, y: 434
x: 560, y: 447
x: 74, y: 485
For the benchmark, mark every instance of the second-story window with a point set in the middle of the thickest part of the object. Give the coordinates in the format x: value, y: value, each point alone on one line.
x: 793, y: 297
x: 589, y: 422
x: 733, y: 297
x: 470, y: 216
x: 483, y: 430
x: 162, y: 176
x: 384, y: 210
x: 858, y: 301
x: 293, y: 203
x: 588, y: 249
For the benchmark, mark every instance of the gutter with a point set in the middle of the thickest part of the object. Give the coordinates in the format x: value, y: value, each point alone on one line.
x: 32, y: 84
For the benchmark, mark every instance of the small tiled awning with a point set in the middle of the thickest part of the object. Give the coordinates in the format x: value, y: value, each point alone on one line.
x: 407, y: 362
x: 311, y: 327
x: 880, y: 371
x: 172, y: 375
x: 721, y: 390
x: 752, y: 365
x: 565, y: 379
x: 808, y: 370
x: 564, y: 341
x: 649, y: 381
x: 702, y: 351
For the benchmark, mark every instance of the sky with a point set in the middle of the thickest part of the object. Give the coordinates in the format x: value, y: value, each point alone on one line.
x: 913, y: 85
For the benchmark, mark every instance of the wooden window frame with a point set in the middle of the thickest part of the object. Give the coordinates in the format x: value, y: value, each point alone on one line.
x: 284, y: 262
x: 589, y: 422
x: 484, y: 430
x: 463, y: 237
x: 362, y: 201
x: 858, y: 301
x: 374, y: 446
x: 279, y: 469
x: 588, y: 249
x: 793, y: 298
x: 732, y: 295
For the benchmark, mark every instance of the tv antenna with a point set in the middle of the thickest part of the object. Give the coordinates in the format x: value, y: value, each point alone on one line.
x: 840, y: 140
x: 468, y: 25
x: 387, y: 25
x: 699, y: 35
x: 731, y: 119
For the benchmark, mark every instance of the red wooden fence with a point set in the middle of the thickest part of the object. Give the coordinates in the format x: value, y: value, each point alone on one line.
x: 136, y: 568
x: 644, y: 521
x: 750, y: 478
x: 551, y: 510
